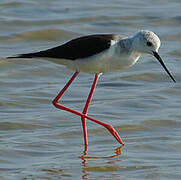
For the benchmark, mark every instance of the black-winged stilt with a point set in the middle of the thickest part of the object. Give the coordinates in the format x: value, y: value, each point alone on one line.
x: 99, y: 53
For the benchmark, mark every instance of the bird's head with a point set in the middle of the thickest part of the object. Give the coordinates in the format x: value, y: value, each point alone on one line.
x: 148, y: 42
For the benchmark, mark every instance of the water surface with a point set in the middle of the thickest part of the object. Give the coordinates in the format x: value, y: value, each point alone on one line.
x: 39, y: 141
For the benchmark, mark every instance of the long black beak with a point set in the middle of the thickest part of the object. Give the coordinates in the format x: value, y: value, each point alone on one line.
x: 163, y: 65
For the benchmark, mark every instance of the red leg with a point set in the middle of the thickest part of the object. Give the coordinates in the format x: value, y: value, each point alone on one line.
x: 55, y: 101
x: 107, y: 126
x: 86, y: 109
x: 84, y: 114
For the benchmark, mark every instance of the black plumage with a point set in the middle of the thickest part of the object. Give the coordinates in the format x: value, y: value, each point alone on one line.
x: 78, y: 48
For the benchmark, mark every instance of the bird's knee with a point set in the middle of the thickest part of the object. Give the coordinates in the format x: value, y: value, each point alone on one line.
x: 54, y: 103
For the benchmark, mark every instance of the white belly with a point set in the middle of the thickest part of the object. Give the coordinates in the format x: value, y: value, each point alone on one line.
x: 106, y: 61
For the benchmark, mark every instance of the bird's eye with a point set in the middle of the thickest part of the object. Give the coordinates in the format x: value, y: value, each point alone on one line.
x: 149, y: 43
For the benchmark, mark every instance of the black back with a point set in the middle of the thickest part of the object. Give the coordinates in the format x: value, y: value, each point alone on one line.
x: 81, y: 47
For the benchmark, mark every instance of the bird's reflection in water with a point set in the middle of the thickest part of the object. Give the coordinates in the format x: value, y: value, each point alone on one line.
x: 117, y: 152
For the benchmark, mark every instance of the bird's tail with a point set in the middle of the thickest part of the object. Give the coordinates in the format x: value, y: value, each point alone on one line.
x: 28, y: 55
x: 41, y: 54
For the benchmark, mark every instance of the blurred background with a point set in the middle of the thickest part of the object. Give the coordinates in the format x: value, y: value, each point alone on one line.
x: 38, y: 141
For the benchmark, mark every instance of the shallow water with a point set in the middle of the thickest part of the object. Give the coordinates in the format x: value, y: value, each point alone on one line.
x: 39, y: 141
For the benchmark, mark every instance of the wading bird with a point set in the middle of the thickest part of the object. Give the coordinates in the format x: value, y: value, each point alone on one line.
x: 97, y: 54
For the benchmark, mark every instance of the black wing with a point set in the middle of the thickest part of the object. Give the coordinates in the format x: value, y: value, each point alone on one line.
x: 81, y: 47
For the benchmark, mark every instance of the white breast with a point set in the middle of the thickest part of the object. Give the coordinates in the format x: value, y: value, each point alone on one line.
x: 107, y: 61
x: 113, y: 59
